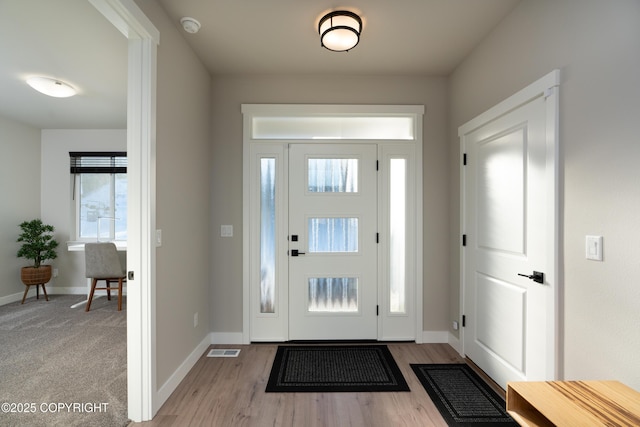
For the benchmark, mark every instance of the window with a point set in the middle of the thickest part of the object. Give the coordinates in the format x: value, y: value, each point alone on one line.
x: 334, y: 127
x: 100, y: 194
x: 333, y: 234
x: 267, y: 234
x: 333, y: 294
x: 332, y: 175
x: 397, y: 235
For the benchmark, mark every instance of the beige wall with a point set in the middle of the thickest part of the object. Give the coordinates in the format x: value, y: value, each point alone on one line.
x: 596, y: 45
x: 230, y: 92
x: 183, y: 203
x: 20, y: 195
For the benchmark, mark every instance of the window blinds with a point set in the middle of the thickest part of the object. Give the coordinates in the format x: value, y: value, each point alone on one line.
x: 98, y: 162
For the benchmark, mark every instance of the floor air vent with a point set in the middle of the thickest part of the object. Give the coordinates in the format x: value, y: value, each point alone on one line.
x: 223, y: 352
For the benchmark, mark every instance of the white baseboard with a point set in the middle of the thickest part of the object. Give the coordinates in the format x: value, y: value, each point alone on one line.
x: 68, y: 290
x: 435, y: 337
x: 80, y: 290
x: 176, y: 378
x: 234, y: 338
x: 443, y: 337
x: 455, y: 343
x: 51, y: 290
x: 428, y: 337
x: 12, y: 298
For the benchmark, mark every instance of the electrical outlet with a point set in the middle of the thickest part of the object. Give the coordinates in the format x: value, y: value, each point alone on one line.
x: 55, y: 272
x: 455, y: 325
x: 195, y: 320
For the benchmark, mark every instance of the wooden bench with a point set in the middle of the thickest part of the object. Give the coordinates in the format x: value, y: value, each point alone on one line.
x: 573, y: 403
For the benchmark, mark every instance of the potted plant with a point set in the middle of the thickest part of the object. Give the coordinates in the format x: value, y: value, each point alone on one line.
x: 38, y: 245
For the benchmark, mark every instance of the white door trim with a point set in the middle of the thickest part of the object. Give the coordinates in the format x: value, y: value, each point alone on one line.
x: 253, y: 146
x: 143, y: 39
x: 547, y: 87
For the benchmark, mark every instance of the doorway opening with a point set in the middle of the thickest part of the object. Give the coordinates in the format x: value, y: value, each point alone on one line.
x: 143, y: 38
x: 332, y: 222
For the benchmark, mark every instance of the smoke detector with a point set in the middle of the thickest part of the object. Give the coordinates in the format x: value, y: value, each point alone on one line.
x: 190, y: 25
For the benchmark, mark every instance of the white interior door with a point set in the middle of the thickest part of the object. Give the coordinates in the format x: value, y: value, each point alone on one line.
x: 332, y: 241
x: 509, y: 229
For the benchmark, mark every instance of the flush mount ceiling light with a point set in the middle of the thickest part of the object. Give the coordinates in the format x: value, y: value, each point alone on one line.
x: 190, y: 25
x: 340, y: 30
x: 51, y: 87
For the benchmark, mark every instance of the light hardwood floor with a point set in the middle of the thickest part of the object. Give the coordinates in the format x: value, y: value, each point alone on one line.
x: 230, y: 392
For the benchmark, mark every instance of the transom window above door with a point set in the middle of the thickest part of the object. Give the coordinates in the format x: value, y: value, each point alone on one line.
x: 334, y: 127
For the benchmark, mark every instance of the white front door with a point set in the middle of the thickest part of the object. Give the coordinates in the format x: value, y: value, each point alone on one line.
x: 508, y: 260
x: 332, y: 241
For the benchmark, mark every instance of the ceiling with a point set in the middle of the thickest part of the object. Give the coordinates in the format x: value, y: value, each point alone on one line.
x: 71, y: 41
x: 67, y: 40
x: 281, y: 36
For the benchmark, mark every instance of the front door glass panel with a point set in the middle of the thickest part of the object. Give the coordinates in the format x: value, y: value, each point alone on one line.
x: 333, y: 294
x: 332, y: 175
x: 333, y: 234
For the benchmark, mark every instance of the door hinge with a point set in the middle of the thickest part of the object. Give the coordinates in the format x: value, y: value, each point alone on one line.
x: 549, y: 91
x: 464, y: 320
x: 377, y: 237
x: 464, y: 159
x: 377, y: 165
x: 377, y: 310
x: 464, y: 240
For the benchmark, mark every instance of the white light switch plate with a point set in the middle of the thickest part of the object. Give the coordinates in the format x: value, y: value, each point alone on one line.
x: 226, y: 231
x: 594, y: 248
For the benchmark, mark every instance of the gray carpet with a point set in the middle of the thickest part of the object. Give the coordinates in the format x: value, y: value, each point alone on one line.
x: 61, y: 366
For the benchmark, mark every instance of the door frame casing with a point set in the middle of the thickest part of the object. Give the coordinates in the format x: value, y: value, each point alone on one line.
x: 547, y: 87
x: 143, y: 39
x: 251, y: 148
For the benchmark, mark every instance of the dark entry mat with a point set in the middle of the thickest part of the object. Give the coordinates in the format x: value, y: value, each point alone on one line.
x: 340, y: 368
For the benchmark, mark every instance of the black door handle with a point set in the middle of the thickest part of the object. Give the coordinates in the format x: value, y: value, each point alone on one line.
x: 537, y: 276
x: 295, y: 252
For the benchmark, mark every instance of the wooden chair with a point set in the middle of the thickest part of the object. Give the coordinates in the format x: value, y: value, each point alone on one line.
x: 103, y: 263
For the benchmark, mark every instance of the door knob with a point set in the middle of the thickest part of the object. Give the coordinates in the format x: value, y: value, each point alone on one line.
x: 537, y: 276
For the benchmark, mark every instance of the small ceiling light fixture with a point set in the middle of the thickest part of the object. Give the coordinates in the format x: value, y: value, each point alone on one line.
x: 340, y: 30
x: 51, y: 87
x: 190, y: 25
